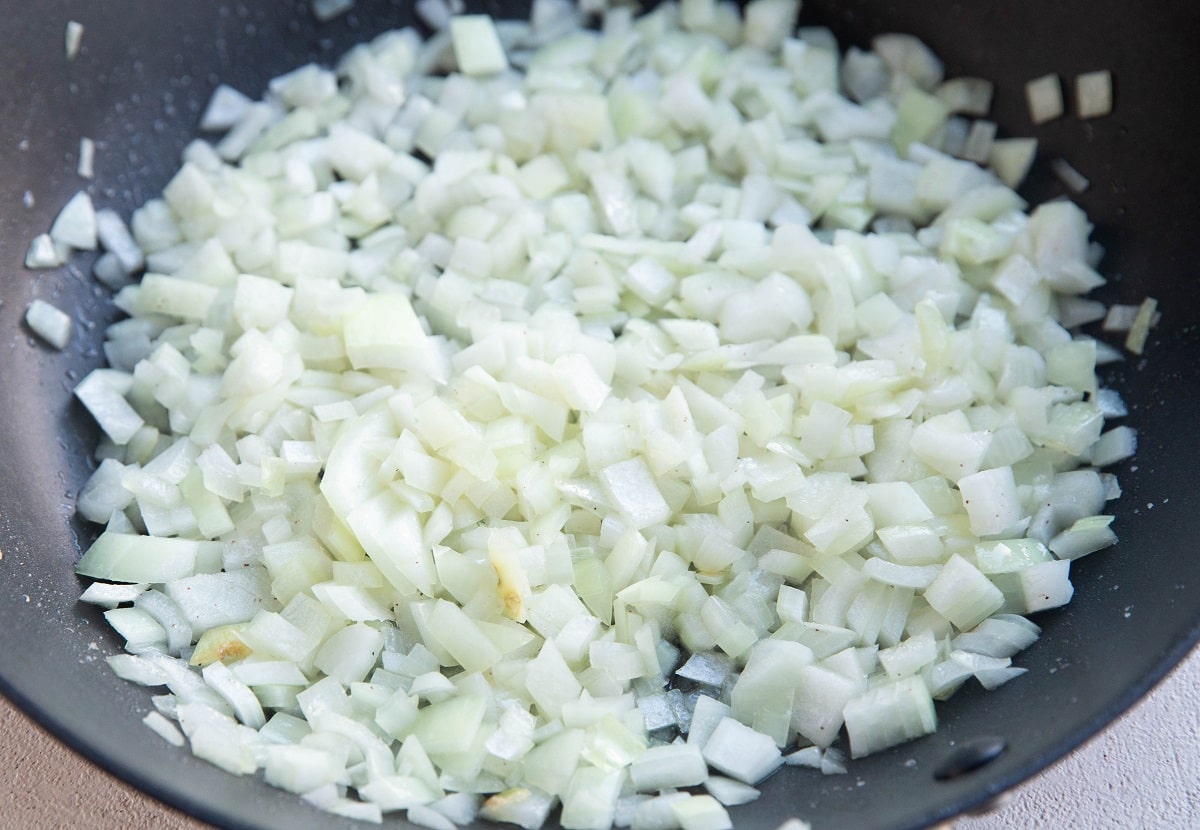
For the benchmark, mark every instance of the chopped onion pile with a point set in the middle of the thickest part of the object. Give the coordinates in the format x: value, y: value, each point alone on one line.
x: 546, y: 418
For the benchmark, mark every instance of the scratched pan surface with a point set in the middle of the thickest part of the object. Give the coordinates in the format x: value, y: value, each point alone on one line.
x: 137, y: 87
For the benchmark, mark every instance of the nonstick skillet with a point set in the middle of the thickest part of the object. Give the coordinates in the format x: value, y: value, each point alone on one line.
x: 136, y: 88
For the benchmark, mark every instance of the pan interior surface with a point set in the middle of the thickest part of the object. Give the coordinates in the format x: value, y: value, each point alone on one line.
x: 137, y: 88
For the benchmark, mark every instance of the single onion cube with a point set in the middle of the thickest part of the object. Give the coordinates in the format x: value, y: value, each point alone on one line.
x: 673, y: 765
x: 730, y: 792
x: 962, y: 594
x: 1087, y: 535
x: 75, y: 224
x: 423, y: 816
x: 436, y: 14
x: 225, y: 108
x: 73, y: 38
x: 889, y: 714
x: 1139, y: 329
x: 742, y: 753
x: 477, y: 47
x: 1093, y: 94
x: 1011, y: 159
x: 794, y: 824
x: 326, y: 10
x: 164, y: 728
x: 87, y: 158
x: 124, y: 557
x: 1068, y: 175
x: 114, y: 236
x: 49, y: 323
x: 101, y: 393
x: 990, y: 498
x: 1045, y: 98
x: 631, y: 488
x: 1115, y: 445
x: 523, y: 806
x: 1046, y: 585
x: 43, y: 252
x: 701, y: 812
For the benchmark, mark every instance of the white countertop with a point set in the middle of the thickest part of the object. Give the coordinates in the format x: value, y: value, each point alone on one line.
x: 1142, y: 772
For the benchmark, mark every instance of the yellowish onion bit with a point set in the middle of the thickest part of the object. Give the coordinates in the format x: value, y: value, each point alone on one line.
x: 639, y: 409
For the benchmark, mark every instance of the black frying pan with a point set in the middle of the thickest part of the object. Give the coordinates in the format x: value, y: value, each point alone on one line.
x: 136, y: 88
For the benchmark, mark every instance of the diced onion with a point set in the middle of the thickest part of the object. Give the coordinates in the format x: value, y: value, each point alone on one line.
x: 75, y: 225
x: 522, y: 420
x: 1139, y: 328
x: 326, y: 10
x: 1069, y: 176
x: 44, y: 252
x: 167, y: 730
x: 1011, y: 158
x: 477, y: 47
x: 87, y: 158
x: 1045, y: 99
x: 73, y: 38
x: 50, y: 323
x: 1093, y: 94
